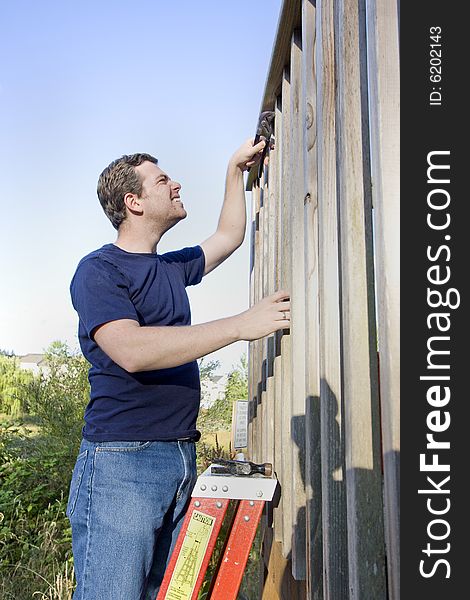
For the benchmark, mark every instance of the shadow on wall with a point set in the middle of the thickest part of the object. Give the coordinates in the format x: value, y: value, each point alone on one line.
x: 324, y: 520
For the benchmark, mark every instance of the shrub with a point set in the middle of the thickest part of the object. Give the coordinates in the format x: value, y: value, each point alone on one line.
x: 35, y: 535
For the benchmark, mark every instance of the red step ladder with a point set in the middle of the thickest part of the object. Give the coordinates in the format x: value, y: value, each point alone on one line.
x: 196, y: 541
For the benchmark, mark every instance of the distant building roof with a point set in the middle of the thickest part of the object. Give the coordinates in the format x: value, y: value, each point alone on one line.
x: 37, y: 359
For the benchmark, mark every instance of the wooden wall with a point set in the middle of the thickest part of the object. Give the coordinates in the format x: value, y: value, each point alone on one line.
x: 324, y: 396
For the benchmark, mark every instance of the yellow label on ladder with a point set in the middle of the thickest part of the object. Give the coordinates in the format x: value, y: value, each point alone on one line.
x: 190, y: 558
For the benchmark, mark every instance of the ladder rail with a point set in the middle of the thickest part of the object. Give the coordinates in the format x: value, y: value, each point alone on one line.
x: 232, y: 567
x: 179, y: 582
x: 196, y: 541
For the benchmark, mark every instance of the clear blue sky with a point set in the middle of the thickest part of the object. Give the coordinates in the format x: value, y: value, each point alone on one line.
x: 83, y: 83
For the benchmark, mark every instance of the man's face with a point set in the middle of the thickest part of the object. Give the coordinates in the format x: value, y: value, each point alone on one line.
x: 160, y: 195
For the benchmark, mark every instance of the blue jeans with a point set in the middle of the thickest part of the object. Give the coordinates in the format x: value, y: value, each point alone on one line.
x: 126, y: 506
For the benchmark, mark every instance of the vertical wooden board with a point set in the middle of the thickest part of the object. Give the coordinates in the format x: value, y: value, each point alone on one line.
x: 266, y: 209
x: 334, y: 523
x: 279, y: 583
x: 259, y: 443
x: 297, y: 288
x: 264, y: 347
x: 314, y: 559
x: 270, y: 288
x: 251, y: 302
x: 384, y: 86
x: 267, y: 433
x: 358, y: 332
x: 286, y: 283
x: 259, y: 342
x: 278, y: 392
x: 253, y: 345
x: 253, y: 370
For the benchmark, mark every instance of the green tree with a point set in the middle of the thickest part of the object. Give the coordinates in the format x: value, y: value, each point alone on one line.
x: 219, y: 415
x: 237, y: 384
x: 4, y: 352
x: 59, y: 396
x: 14, y: 386
x: 207, y: 368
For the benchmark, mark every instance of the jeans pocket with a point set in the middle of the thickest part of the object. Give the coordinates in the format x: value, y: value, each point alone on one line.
x: 77, y: 477
x: 122, y: 446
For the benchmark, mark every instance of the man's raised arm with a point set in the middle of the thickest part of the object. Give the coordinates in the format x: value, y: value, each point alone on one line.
x: 231, y: 228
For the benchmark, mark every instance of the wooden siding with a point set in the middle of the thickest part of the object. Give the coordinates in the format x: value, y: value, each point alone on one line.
x: 325, y: 226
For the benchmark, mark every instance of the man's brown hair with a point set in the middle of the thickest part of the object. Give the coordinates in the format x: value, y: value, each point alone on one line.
x: 118, y: 179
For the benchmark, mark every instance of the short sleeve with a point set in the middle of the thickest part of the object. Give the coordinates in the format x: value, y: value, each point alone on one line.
x: 100, y: 294
x: 192, y: 262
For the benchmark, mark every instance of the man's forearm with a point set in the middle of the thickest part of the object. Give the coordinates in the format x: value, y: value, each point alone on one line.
x: 136, y: 348
x: 232, y: 221
x: 149, y: 348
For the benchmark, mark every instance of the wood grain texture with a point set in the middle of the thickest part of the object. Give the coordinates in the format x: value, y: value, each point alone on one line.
x: 334, y: 522
x: 297, y: 289
x: 261, y: 428
x: 277, y: 368
x: 358, y: 332
x: 252, y: 347
x: 289, y: 19
x: 285, y: 281
x: 314, y: 559
x: 271, y: 287
x: 316, y: 410
x: 384, y: 86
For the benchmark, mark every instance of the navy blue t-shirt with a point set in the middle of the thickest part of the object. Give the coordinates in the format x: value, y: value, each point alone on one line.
x: 111, y: 284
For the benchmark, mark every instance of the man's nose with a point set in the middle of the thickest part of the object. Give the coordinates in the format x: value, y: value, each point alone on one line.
x: 176, y: 186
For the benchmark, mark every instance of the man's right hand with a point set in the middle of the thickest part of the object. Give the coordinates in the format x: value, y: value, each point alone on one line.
x: 136, y: 348
x: 265, y: 317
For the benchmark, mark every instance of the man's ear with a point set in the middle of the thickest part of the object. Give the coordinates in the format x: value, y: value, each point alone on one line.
x: 133, y: 203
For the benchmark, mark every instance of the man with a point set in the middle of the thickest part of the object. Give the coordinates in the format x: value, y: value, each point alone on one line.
x: 137, y: 465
